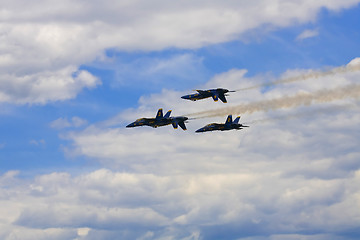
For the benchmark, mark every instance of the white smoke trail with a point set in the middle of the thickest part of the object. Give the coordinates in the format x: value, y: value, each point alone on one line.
x: 351, y: 67
x: 307, y: 113
x: 322, y: 96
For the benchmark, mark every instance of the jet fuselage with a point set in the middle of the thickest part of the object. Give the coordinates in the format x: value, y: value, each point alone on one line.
x: 228, y: 125
x: 160, y: 120
x: 220, y: 127
x: 152, y: 122
x: 216, y: 94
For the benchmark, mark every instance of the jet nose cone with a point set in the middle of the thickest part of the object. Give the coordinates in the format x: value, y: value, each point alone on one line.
x: 130, y: 125
x: 187, y: 97
x: 199, y: 130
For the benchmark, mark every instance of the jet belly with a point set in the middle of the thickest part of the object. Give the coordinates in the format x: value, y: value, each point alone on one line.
x: 195, y: 96
x: 209, y: 127
x: 141, y: 122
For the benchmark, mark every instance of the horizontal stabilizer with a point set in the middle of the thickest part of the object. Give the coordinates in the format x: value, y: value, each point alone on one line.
x: 222, y: 97
x: 182, y: 125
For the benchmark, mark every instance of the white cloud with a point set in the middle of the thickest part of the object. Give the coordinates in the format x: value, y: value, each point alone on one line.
x: 40, y: 142
x: 61, y: 123
x: 177, y: 71
x: 43, y: 43
x: 44, y: 86
x: 308, y: 33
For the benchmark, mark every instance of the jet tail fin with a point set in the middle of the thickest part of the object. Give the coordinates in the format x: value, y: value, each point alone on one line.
x: 159, y: 113
x: 167, y: 115
x: 237, y: 120
x: 229, y: 120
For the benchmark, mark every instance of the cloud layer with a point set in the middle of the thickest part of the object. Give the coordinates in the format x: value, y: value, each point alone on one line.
x: 206, y: 206
x: 294, y: 174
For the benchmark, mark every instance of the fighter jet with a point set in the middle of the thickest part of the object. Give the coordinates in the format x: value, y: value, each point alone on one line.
x: 214, y: 93
x: 228, y: 125
x: 160, y: 120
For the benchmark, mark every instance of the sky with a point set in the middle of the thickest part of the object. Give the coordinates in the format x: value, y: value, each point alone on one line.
x: 74, y: 73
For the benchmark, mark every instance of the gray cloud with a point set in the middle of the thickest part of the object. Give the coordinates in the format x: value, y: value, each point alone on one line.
x: 246, y: 204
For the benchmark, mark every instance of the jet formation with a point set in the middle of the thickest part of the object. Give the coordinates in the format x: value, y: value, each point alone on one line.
x: 163, y: 120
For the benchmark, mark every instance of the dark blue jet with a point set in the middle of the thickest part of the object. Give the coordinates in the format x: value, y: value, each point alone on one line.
x: 160, y: 120
x: 228, y: 125
x: 216, y: 94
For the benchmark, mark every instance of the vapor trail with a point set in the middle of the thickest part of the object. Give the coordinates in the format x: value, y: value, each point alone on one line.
x: 317, y: 111
x: 322, y: 96
x: 312, y: 74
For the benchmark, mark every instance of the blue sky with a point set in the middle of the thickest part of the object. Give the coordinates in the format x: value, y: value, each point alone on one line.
x: 66, y: 100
